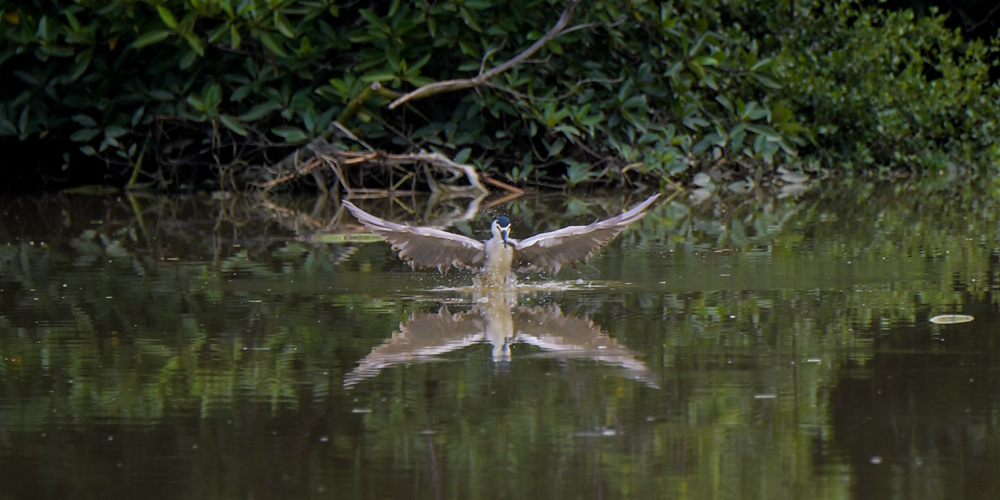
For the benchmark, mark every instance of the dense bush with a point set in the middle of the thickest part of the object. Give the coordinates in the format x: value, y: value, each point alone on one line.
x: 225, y: 88
x: 894, y: 89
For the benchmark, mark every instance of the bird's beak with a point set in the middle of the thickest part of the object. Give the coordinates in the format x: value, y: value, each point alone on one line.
x: 504, y: 231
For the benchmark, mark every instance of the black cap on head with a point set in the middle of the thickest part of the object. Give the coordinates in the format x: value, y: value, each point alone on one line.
x: 502, y: 221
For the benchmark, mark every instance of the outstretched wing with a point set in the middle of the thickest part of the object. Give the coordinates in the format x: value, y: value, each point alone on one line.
x: 420, y: 339
x: 424, y: 246
x: 549, y: 251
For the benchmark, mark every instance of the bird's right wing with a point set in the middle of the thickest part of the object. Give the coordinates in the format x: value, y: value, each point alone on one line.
x: 424, y: 246
x: 420, y: 339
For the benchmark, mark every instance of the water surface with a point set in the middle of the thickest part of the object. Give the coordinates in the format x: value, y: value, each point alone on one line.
x: 761, y: 347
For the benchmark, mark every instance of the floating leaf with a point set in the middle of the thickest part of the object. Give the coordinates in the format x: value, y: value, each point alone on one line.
x: 951, y: 319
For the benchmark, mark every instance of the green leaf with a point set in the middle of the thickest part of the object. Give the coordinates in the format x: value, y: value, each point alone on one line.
x: 150, y: 38
x: 419, y: 64
x: 674, y: 70
x: 700, y: 44
x: 167, y: 17
x: 780, y: 114
x: 556, y: 147
x: 260, y: 111
x: 84, y: 134
x: 374, y: 20
x: 726, y: 103
x: 217, y: 34
x: 273, y: 44
x: 289, y: 133
x: 284, y: 27
x: 378, y: 76
x: 114, y: 131
x: 790, y: 127
x: 234, y: 37
x: 470, y: 19
x: 196, y: 44
x: 233, y: 124
x: 85, y: 120
x: 477, y: 4
x: 635, y: 102
x: 696, y: 68
x: 43, y: 29
x: 137, y: 116
x: 463, y: 155
x: 763, y: 130
x: 707, y: 61
x: 188, y: 59
x: 419, y: 81
x: 74, y: 23
x: 567, y: 130
x: 764, y: 65
x: 161, y: 95
x: 768, y: 80
x: 82, y: 63
x: 392, y: 56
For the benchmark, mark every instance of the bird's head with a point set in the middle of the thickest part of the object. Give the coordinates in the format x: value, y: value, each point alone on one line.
x: 501, y: 228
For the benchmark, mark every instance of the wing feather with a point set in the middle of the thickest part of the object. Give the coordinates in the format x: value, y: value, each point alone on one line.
x: 424, y: 246
x: 549, y: 251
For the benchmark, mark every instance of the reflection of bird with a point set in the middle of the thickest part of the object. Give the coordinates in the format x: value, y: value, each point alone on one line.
x: 429, y: 247
x: 496, y: 319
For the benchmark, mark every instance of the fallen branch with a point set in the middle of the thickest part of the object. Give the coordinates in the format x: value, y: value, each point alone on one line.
x: 502, y: 185
x: 464, y: 83
x: 337, y: 159
x: 309, y: 167
x: 438, y: 160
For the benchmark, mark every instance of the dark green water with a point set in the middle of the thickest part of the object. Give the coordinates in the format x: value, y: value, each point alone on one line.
x: 743, y: 348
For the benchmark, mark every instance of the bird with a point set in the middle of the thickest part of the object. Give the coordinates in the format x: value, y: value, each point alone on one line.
x: 498, y: 256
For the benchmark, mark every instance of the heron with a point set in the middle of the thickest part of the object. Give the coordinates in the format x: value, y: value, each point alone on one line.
x: 497, y: 257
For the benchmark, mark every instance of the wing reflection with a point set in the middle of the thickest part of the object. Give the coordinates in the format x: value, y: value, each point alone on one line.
x: 497, y: 319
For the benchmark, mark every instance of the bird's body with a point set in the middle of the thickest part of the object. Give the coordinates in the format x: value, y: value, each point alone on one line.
x: 497, y: 257
x: 499, y: 265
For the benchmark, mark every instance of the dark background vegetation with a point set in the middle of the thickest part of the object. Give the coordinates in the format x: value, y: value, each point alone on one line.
x: 213, y: 94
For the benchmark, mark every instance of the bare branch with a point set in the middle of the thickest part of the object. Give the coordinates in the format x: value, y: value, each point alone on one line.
x: 464, y: 83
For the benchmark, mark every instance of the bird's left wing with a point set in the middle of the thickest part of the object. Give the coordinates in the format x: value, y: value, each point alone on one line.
x: 424, y: 246
x: 549, y: 251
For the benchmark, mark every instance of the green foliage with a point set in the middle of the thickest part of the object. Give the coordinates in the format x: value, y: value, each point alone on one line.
x: 877, y: 87
x: 631, y: 88
x: 642, y: 88
x: 894, y: 89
